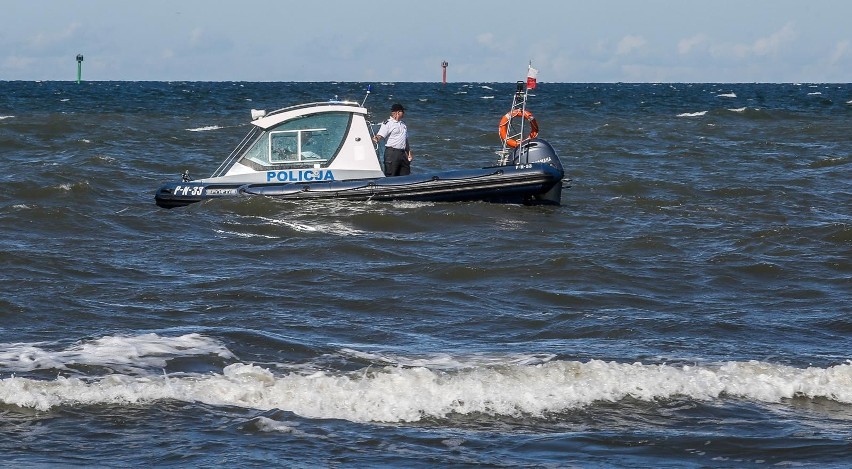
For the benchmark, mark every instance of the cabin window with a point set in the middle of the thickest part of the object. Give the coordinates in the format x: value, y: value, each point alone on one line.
x: 309, y: 140
x: 259, y: 152
x: 290, y: 146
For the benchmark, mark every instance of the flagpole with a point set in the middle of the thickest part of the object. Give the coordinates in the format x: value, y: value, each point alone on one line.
x: 532, y: 76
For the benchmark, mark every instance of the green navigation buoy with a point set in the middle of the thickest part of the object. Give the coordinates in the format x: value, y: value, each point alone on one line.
x: 79, y: 67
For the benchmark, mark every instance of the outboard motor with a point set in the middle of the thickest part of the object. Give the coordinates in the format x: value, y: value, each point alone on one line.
x: 539, y: 151
x: 536, y: 150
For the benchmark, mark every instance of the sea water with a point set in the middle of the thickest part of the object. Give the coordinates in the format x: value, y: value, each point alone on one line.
x: 688, y: 304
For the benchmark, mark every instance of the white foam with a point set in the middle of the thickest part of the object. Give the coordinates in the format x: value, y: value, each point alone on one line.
x: 6, y: 117
x: 737, y: 109
x: 401, y: 394
x: 406, y: 204
x: 204, y: 129
x: 243, y: 235
x: 487, y: 97
x: 330, y: 228
x: 123, y: 353
x: 692, y: 114
x: 266, y: 424
x: 727, y: 95
x: 815, y: 93
x: 445, y: 361
x: 304, y: 228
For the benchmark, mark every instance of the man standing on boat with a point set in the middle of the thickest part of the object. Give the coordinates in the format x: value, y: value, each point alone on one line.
x: 397, y: 151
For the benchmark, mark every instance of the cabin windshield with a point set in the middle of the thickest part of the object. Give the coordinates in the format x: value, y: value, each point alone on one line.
x: 302, y: 142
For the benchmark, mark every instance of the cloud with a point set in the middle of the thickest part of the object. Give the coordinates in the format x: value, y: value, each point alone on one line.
x: 841, y: 49
x: 767, y: 45
x: 202, y: 41
x: 628, y: 44
x: 46, y: 40
x: 17, y: 63
x: 486, y: 39
x: 686, y: 45
x: 772, y: 43
x: 196, y: 37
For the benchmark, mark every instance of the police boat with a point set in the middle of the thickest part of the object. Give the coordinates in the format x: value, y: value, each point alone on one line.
x: 325, y: 151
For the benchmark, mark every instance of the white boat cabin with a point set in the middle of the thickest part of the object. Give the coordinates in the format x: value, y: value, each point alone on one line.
x: 310, y: 142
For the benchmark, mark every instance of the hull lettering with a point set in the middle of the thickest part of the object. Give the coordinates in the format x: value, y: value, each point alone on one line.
x: 295, y: 175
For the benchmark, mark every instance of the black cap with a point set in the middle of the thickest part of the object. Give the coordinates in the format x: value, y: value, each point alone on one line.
x: 397, y: 107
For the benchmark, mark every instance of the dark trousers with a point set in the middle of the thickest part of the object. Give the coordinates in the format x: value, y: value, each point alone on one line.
x: 396, y: 162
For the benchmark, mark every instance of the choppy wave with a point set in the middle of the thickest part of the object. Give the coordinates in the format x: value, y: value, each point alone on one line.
x: 692, y: 114
x: 116, y: 352
x: 691, y: 287
x: 244, y: 235
x: 398, y: 393
x: 205, y: 128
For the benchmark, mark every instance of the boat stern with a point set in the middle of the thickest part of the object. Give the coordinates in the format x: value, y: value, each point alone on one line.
x: 539, y: 151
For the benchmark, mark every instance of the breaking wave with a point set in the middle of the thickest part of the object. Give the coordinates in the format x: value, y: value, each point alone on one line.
x: 204, y: 129
x: 395, y: 392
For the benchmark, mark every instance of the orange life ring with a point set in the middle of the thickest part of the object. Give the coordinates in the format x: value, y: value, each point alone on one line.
x: 504, y: 126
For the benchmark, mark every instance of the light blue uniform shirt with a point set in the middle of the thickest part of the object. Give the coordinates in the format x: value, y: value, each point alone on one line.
x: 395, y: 134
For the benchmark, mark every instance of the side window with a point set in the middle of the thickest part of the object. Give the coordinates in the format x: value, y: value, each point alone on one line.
x: 318, y: 144
x: 284, y: 146
x: 312, y: 139
x: 302, y: 141
x: 259, y: 152
x: 303, y: 145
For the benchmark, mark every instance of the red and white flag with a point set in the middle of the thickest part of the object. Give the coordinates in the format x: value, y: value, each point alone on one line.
x: 531, y: 77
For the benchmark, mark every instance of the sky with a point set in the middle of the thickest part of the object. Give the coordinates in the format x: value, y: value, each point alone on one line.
x: 726, y: 41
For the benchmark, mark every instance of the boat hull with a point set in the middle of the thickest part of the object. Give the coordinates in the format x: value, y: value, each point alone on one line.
x: 533, y: 176
x: 529, y: 183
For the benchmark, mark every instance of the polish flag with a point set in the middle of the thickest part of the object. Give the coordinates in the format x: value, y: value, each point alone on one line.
x: 531, y: 76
